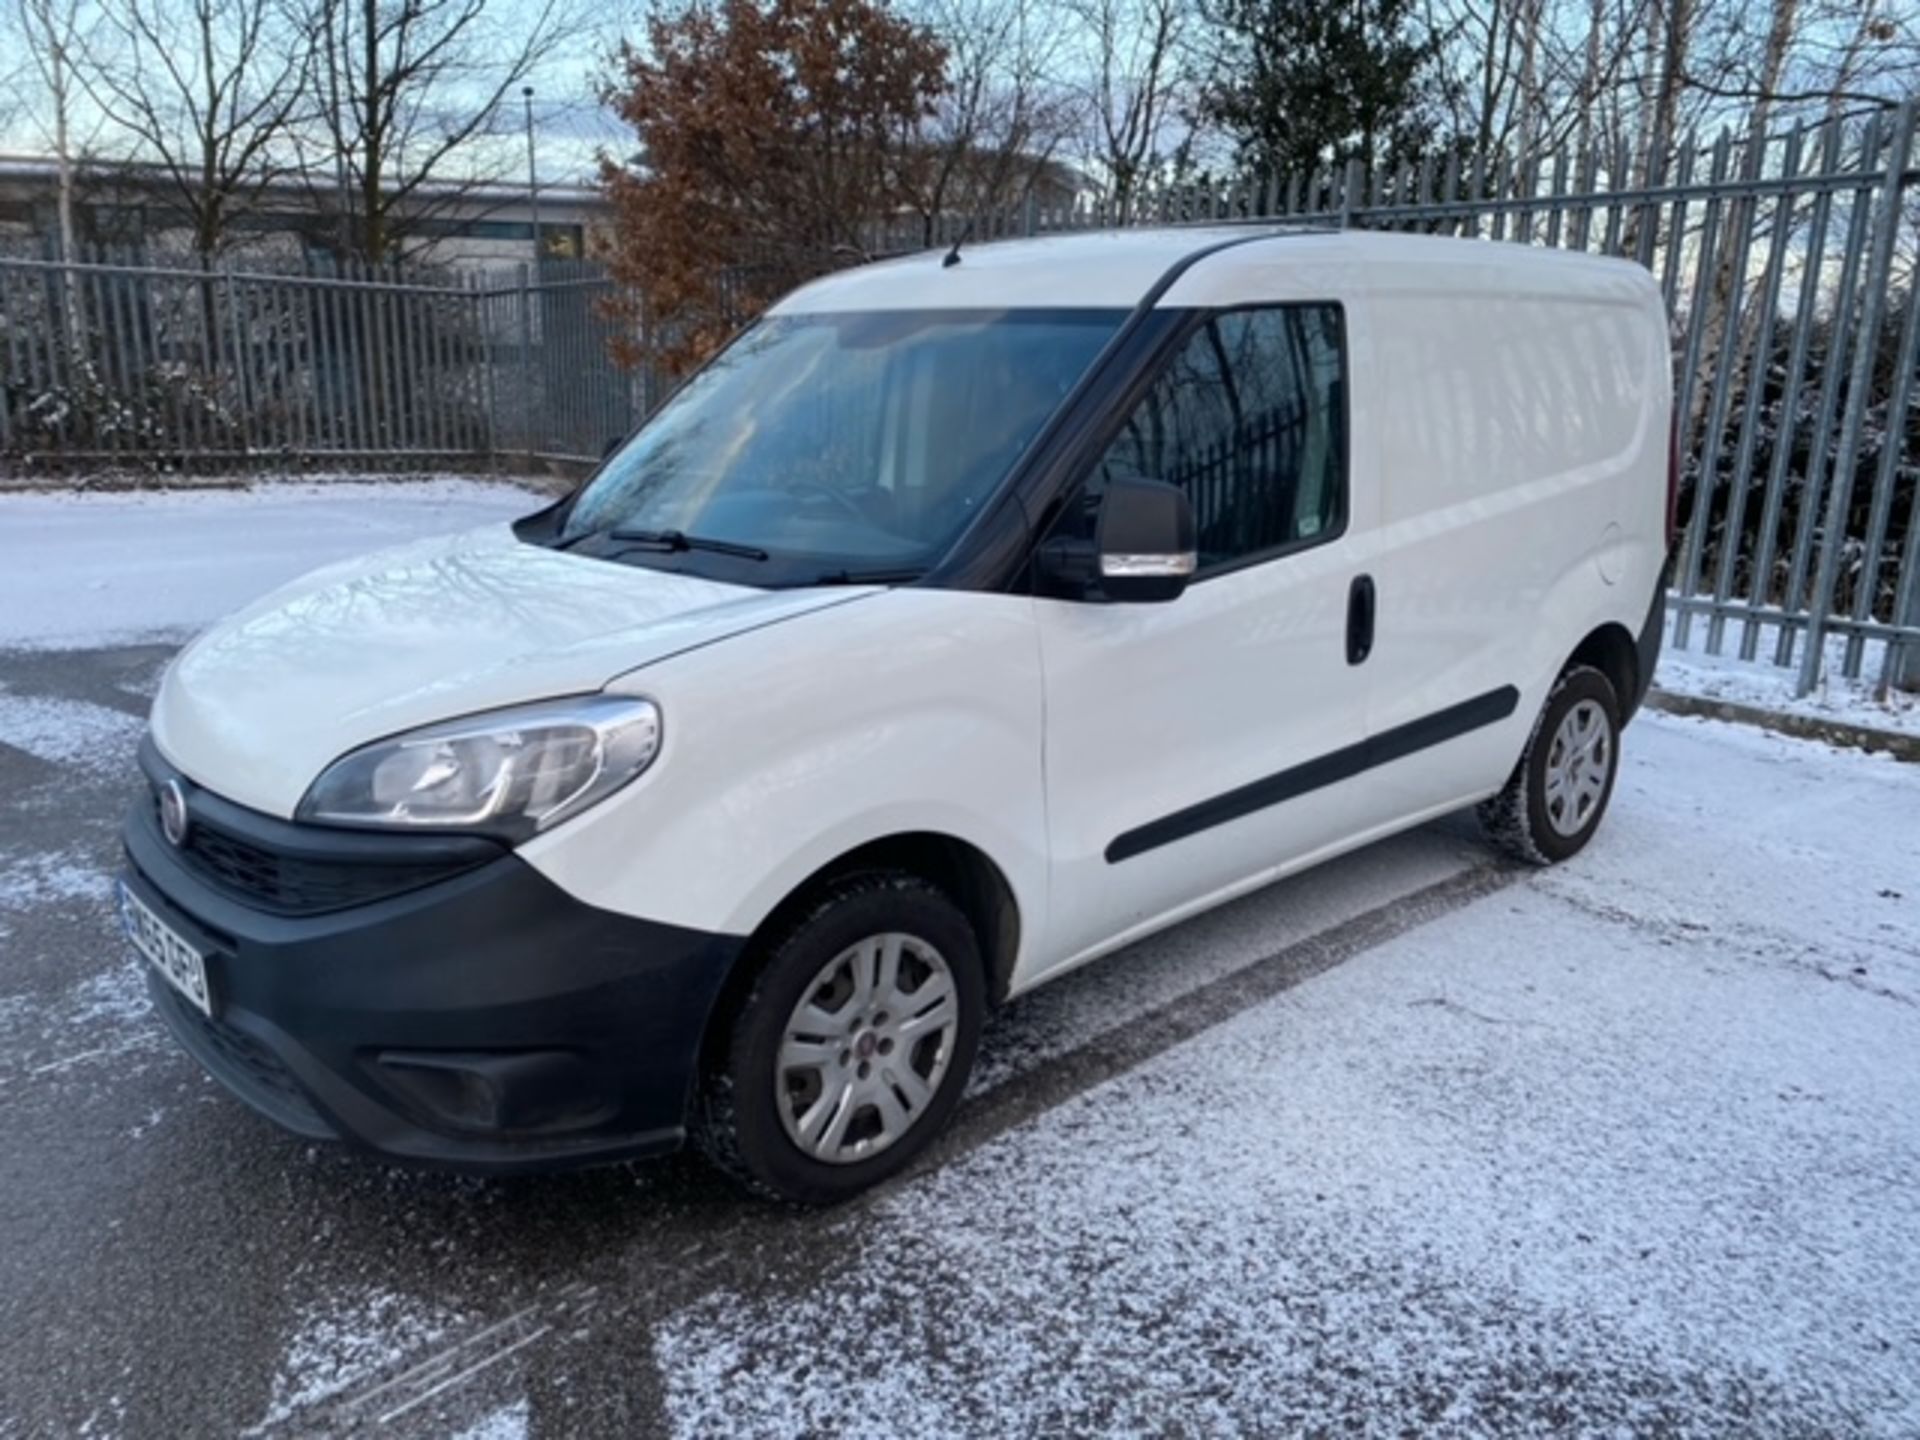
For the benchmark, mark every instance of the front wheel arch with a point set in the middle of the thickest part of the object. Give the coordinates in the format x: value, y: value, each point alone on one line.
x: 967, y: 874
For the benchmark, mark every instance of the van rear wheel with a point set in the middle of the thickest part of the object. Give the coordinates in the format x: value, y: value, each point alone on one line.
x: 849, y: 1051
x: 1557, y: 794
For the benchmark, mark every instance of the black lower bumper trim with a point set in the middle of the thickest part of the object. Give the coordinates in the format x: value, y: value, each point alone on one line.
x: 239, y: 1062
x: 488, y: 1022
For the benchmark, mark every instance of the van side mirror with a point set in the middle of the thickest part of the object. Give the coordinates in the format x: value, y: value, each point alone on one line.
x: 1145, y: 541
x: 1143, y: 548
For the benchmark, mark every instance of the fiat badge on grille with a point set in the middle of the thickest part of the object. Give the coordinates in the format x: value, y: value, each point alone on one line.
x: 173, y: 813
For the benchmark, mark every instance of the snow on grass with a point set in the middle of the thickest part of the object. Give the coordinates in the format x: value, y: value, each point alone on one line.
x: 69, y: 732
x: 1626, y: 1147
x: 341, y: 1343
x: 1760, y: 683
x: 115, y: 567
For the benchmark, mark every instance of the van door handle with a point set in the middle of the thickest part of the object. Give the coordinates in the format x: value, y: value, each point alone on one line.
x: 1360, y: 608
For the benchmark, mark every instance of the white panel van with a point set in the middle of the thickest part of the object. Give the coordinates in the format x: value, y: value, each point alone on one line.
x: 967, y: 618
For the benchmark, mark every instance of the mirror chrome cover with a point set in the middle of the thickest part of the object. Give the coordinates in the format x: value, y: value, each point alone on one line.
x: 1128, y: 567
x: 1148, y: 550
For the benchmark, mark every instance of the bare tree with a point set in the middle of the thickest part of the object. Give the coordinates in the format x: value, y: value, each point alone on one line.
x: 55, y: 35
x: 1589, y: 86
x: 208, y: 91
x: 410, y: 93
x: 15, y: 70
x: 1133, y: 89
x: 1670, y: 30
x: 1591, y: 78
x: 1528, y: 76
x: 1484, y: 42
x: 998, y: 127
x: 1813, y: 59
x: 1524, y: 23
x: 1525, y: 77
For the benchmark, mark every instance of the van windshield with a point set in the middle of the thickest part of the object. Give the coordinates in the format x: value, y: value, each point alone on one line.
x: 860, y: 442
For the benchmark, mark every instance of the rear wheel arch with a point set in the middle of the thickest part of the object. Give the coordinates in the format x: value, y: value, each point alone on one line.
x: 1610, y: 649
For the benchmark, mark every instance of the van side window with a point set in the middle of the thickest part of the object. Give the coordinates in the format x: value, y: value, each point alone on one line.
x: 1249, y: 418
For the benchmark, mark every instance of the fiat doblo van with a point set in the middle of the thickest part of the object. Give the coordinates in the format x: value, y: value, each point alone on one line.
x: 965, y: 619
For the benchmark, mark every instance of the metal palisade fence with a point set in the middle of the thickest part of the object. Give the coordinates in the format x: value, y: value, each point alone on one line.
x: 1788, y: 263
x: 111, y: 361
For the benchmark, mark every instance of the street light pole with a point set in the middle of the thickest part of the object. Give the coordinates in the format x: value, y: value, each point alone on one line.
x: 533, y: 177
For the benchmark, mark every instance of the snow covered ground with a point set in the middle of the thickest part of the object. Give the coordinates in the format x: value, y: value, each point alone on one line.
x: 1625, y: 1147
x: 1759, y: 682
x: 118, y: 566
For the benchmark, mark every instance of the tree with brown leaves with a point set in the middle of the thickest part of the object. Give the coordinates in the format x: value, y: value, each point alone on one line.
x: 775, y: 138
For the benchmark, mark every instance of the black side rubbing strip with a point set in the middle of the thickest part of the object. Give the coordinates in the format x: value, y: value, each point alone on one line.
x: 1382, y: 749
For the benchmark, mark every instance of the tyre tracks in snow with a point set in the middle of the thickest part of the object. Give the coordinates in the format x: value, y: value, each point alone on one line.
x: 435, y: 1391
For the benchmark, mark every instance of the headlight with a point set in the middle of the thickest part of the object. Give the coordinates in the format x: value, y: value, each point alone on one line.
x: 510, y: 773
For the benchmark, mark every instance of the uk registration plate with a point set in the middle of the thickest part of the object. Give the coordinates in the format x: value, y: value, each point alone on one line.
x: 182, y: 966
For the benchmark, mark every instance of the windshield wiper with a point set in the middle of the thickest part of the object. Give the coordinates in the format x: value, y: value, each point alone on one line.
x: 680, y: 540
x: 866, y: 577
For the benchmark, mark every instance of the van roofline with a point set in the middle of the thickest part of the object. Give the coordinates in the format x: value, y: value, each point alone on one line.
x: 1116, y: 269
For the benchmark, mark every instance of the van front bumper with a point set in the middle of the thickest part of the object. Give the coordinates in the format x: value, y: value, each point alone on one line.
x: 487, y: 1021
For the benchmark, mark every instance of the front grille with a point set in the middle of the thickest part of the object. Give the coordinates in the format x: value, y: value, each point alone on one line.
x: 242, y: 1064
x: 291, y: 885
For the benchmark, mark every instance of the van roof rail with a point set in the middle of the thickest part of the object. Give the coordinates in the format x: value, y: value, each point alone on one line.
x: 1316, y: 223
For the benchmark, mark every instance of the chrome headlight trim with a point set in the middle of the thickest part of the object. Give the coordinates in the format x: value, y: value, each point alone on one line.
x: 509, y: 773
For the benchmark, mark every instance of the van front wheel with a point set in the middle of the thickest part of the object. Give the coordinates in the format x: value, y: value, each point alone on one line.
x: 1558, y: 792
x: 850, y: 1050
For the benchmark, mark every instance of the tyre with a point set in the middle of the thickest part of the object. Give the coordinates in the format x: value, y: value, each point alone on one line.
x: 1558, y: 792
x: 849, y: 1049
